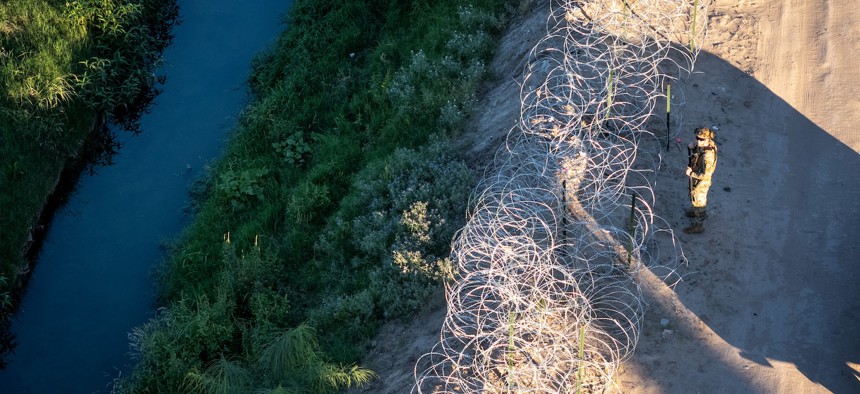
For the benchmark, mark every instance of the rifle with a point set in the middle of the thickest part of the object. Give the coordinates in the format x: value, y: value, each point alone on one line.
x: 690, y: 163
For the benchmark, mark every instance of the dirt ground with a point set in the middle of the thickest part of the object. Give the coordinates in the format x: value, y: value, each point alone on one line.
x: 770, y: 301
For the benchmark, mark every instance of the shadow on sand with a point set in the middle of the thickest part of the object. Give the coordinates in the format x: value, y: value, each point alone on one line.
x: 771, y: 288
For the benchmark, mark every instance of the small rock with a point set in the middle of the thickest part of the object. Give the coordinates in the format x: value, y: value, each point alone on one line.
x: 667, y: 333
x: 728, y: 189
x: 664, y: 323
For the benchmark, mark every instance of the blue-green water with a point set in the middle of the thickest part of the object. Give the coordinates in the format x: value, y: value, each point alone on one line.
x: 93, y: 281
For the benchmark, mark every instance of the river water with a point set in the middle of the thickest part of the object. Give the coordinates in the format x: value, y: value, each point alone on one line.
x: 93, y: 282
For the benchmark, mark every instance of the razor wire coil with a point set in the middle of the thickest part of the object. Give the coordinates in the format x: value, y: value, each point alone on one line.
x: 546, y: 298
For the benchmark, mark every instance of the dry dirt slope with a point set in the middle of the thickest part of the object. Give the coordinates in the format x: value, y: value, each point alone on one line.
x: 771, y: 301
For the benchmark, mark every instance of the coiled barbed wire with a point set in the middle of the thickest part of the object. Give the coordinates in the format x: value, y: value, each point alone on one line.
x: 546, y: 299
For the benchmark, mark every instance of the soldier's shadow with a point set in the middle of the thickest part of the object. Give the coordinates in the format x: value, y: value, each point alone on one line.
x: 775, y: 274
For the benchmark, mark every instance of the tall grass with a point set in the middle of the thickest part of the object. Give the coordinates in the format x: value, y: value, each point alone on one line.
x: 40, y: 47
x: 339, y: 190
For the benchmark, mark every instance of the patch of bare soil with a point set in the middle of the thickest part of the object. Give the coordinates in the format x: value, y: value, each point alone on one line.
x: 770, y: 301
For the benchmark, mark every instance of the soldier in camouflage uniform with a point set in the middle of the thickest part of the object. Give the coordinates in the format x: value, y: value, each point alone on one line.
x: 702, y: 162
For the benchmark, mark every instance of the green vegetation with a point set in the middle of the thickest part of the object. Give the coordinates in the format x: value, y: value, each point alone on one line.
x: 334, y: 206
x: 63, y: 66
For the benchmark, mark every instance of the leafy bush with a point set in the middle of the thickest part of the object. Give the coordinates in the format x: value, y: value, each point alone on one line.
x: 397, y: 225
x: 293, y: 149
x: 305, y: 203
x: 243, y: 186
x: 465, y: 49
x: 183, y: 349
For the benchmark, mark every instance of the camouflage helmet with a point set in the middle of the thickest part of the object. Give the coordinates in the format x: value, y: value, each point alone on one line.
x: 704, y: 132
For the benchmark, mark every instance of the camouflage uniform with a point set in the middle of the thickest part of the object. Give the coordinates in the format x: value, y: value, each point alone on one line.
x: 703, y: 161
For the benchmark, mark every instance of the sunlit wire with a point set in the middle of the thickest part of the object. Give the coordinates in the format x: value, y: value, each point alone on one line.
x: 546, y: 299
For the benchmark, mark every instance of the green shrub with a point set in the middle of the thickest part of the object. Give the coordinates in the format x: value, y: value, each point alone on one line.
x: 392, y: 235
x: 130, y: 36
x: 424, y: 82
x: 347, y: 320
x: 293, y: 149
x: 242, y: 187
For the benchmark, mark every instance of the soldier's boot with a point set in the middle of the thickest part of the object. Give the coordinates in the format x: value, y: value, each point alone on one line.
x: 696, y: 213
x: 695, y: 228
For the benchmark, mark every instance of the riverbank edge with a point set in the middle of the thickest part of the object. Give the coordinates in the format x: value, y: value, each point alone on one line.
x: 94, y: 149
x: 65, y: 183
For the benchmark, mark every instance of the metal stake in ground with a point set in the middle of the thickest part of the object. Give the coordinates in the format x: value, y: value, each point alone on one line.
x: 631, y: 229
x: 668, y: 114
